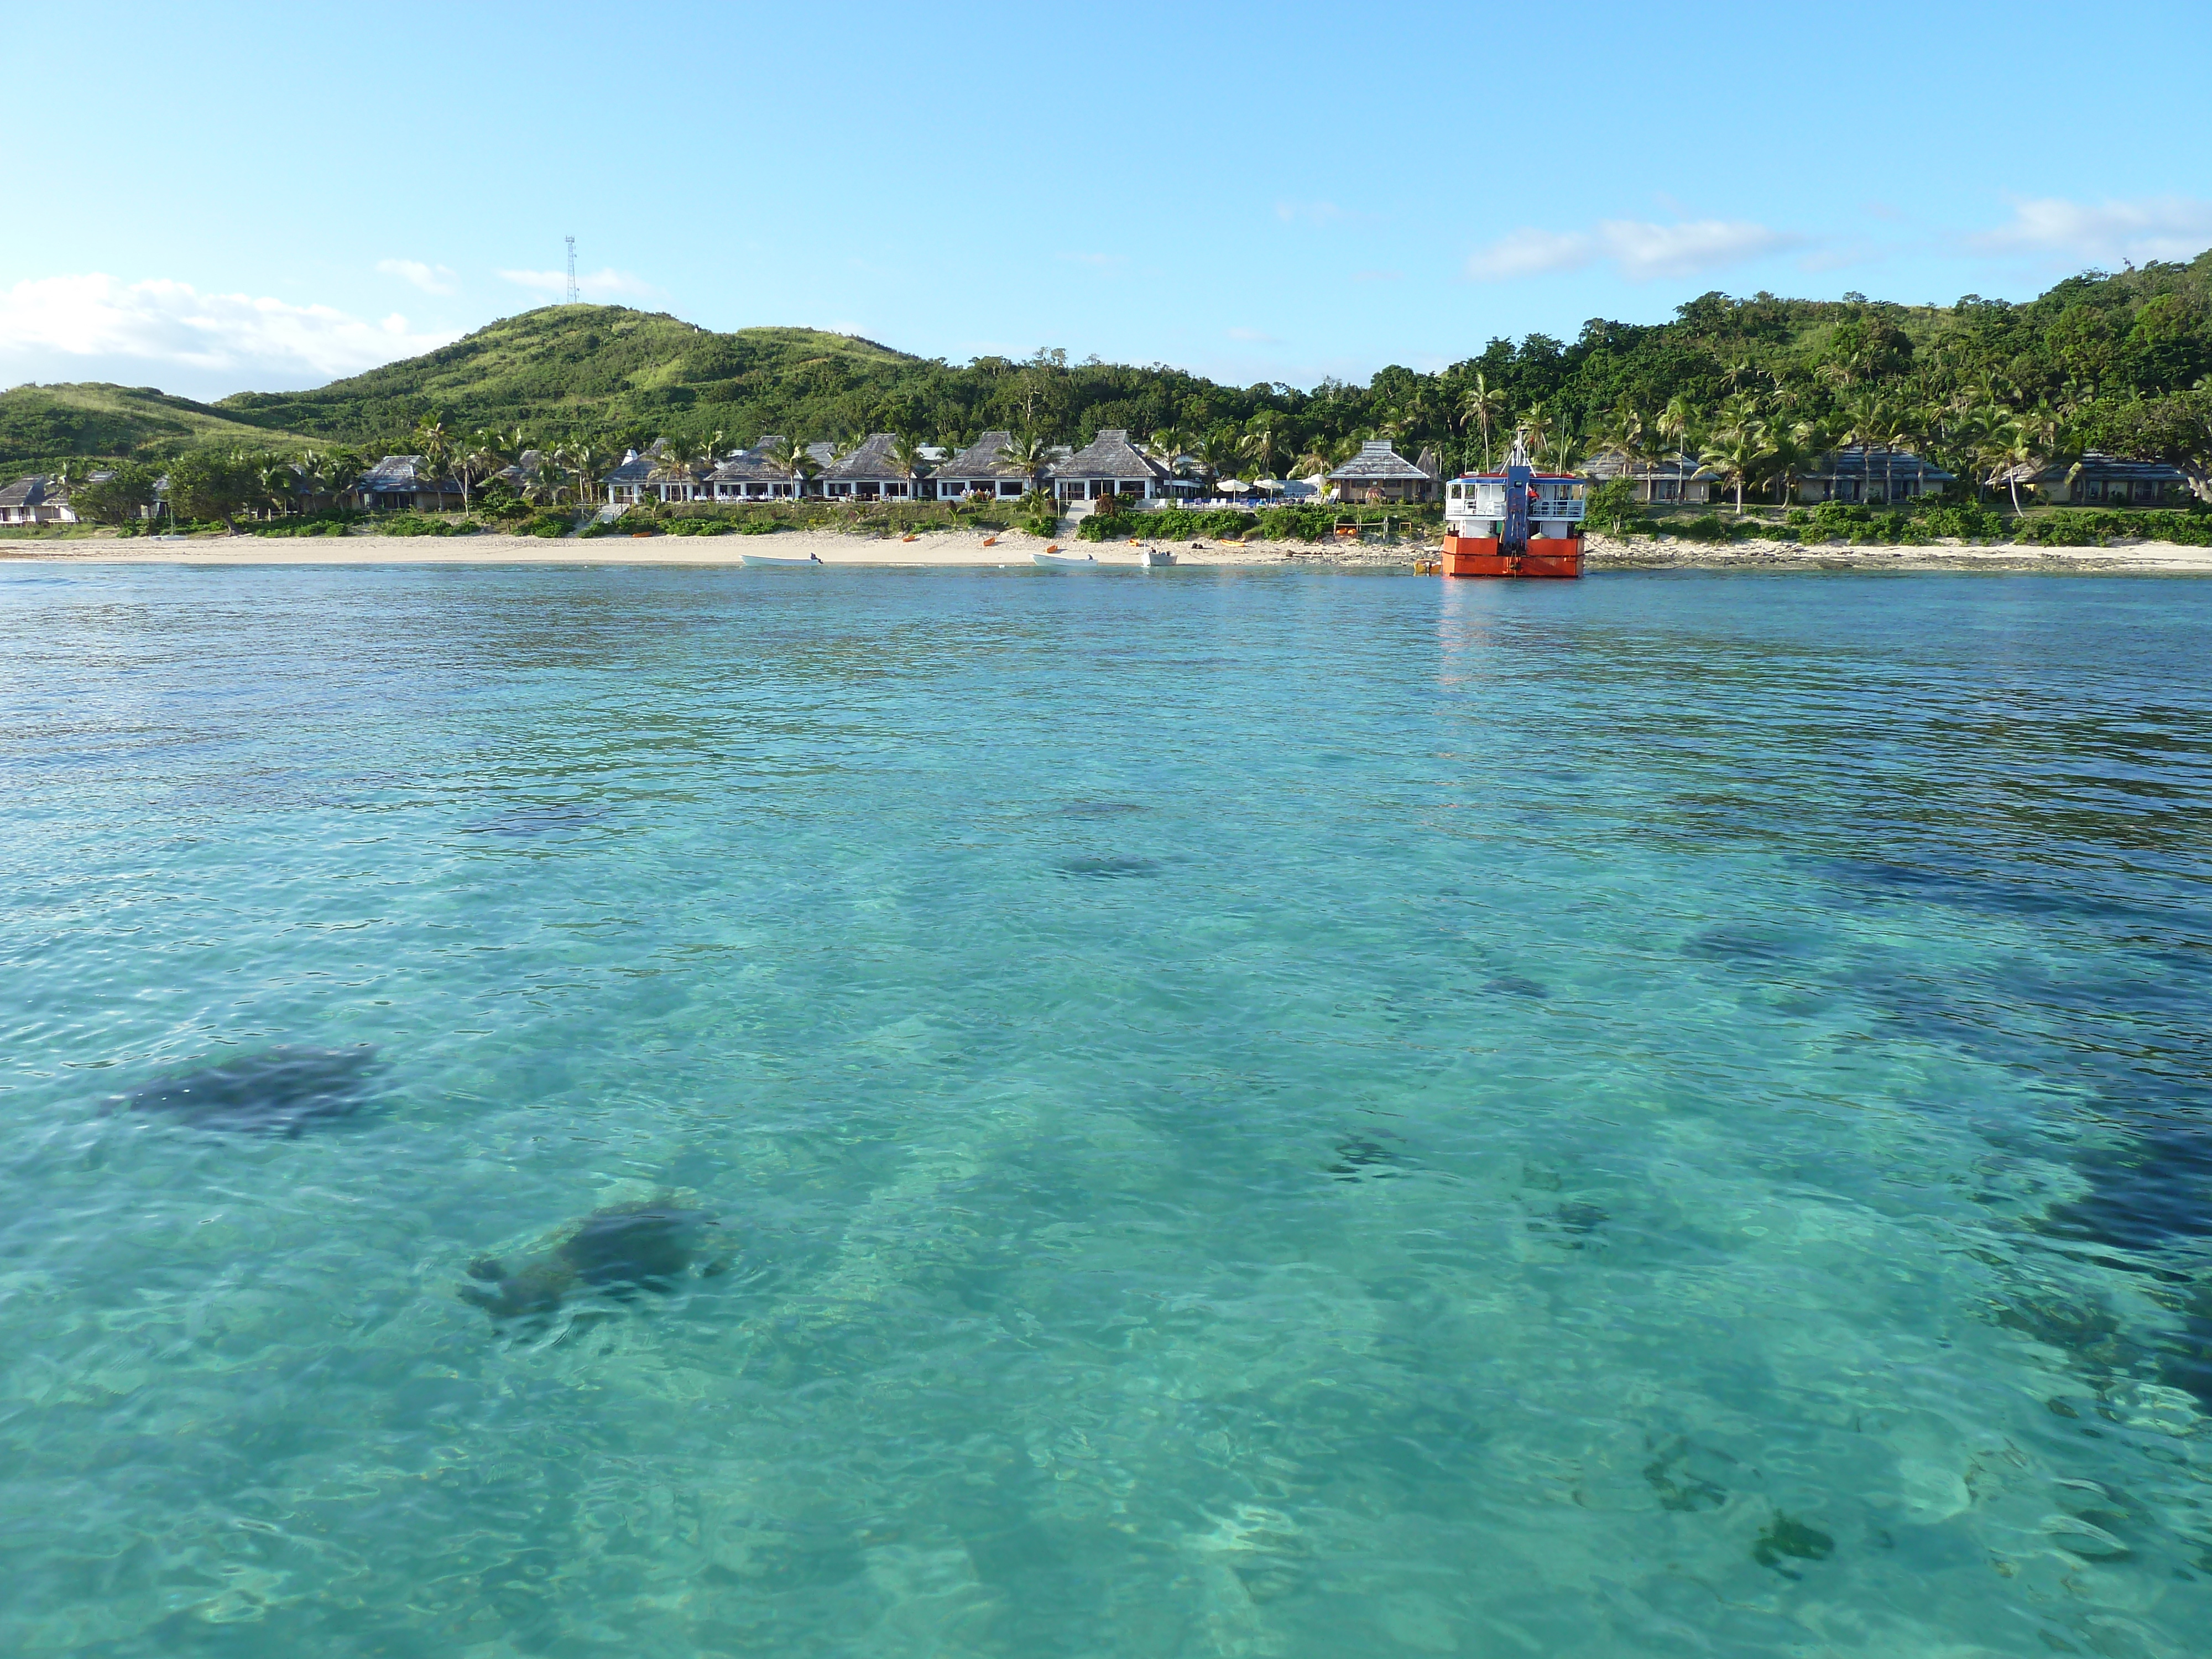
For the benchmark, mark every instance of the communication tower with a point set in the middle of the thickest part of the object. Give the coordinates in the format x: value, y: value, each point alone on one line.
x: 572, y: 270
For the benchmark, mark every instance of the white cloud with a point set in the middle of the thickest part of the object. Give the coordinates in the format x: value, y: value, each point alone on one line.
x: 70, y: 321
x: 609, y: 283
x: 431, y: 279
x: 2105, y: 233
x: 1639, y: 250
x: 1532, y: 253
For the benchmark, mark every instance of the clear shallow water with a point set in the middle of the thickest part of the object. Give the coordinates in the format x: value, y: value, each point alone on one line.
x: 1273, y: 1115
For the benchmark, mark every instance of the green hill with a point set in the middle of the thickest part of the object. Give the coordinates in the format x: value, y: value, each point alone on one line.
x: 567, y: 368
x: 43, y: 425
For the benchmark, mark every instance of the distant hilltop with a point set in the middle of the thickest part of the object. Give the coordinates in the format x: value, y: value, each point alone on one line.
x: 2113, y: 361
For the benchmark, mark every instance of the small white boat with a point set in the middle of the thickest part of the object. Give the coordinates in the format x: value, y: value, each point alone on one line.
x: 1063, y: 561
x: 768, y: 560
x: 1155, y: 558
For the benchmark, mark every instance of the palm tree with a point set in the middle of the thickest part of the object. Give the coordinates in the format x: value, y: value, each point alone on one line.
x: 546, y: 485
x: 331, y: 472
x: 1167, y: 443
x: 906, y: 454
x: 1484, y: 403
x: 1028, y: 451
x: 1534, y: 431
x: 479, y: 458
x: 578, y: 458
x: 2007, y: 453
x: 279, y: 482
x: 792, y: 456
x: 1622, y: 437
x: 1735, y: 413
x: 1675, y: 423
x: 433, y: 442
x: 1562, y: 451
x: 1789, y: 445
x: 1734, y: 454
x: 678, y: 460
x: 1263, y: 444
x: 1218, y: 451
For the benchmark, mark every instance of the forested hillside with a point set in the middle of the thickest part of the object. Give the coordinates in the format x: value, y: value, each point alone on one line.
x: 2116, y: 362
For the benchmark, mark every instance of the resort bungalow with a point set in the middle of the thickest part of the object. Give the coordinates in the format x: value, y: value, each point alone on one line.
x: 1870, y: 472
x: 400, y: 482
x: 750, y: 475
x: 641, y: 476
x: 1673, y: 476
x: 1380, y: 473
x: 870, y: 472
x: 34, y: 501
x: 521, y: 471
x: 626, y: 485
x: 981, y: 469
x: 2100, y: 480
x: 1109, y: 465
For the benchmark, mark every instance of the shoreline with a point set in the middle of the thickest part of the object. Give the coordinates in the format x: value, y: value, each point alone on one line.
x: 964, y: 550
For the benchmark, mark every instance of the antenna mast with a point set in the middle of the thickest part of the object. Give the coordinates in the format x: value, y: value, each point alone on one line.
x: 572, y: 270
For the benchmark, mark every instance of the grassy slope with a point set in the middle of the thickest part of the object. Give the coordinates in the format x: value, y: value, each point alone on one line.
x: 42, y: 424
x: 564, y: 366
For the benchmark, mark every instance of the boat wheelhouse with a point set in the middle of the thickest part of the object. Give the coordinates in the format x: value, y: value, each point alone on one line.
x: 1517, y: 522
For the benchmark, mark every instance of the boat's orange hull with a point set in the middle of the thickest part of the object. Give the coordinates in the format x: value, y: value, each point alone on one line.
x: 1483, y: 556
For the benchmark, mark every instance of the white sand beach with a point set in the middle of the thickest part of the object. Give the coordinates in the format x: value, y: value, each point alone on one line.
x: 940, y: 549
x: 1017, y: 547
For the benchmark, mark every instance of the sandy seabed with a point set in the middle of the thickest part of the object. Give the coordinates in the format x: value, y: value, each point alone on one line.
x: 1015, y: 548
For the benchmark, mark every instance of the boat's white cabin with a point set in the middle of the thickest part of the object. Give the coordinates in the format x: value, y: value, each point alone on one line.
x: 1475, y: 504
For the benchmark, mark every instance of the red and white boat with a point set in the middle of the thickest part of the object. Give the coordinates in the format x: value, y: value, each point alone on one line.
x: 1517, y: 522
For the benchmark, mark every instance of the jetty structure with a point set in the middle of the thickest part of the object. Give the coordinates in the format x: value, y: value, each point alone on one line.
x: 1517, y: 522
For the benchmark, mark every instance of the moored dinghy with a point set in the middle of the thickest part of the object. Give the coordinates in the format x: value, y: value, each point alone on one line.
x: 1156, y: 558
x: 1065, y: 562
x: 770, y: 561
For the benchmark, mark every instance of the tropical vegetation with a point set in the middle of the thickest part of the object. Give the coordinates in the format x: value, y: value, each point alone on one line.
x: 1750, y: 388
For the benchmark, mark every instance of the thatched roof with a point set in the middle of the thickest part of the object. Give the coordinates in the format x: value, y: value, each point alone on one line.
x: 1875, y: 461
x: 1109, y: 455
x: 984, y: 458
x: 750, y: 466
x: 1674, y: 464
x: 401, y: 473
x: 635, y: 467
x: 1375, y: 462
x: 2097, y: 465
x: 872, y: 462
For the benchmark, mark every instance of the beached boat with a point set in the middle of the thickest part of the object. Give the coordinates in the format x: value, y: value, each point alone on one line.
x: 1155, y: 558
x: 768, y: 560
x: 1519, y: 522
x: 1064, y: 562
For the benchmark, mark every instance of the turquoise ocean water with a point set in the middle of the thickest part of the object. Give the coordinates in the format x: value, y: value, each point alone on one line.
x: 1263, y: 1113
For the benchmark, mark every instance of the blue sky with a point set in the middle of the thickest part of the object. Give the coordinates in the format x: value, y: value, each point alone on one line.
x: 243, y: 196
